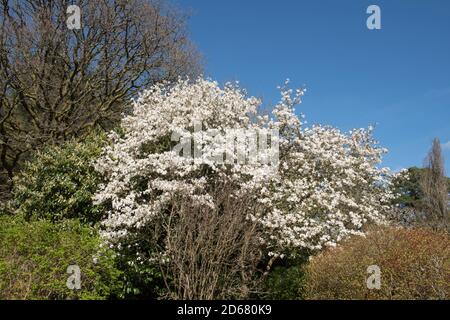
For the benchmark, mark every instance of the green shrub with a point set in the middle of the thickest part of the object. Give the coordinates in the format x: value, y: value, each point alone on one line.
x: 414, y: 264
x: 59, y: 182
x: 141, y: 281
x: 34, y: 257
x: 285, y: 283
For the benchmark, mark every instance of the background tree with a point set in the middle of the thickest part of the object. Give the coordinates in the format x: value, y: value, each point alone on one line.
x: 406, y: 185
x: 56, y: 83
x: 434, y: 187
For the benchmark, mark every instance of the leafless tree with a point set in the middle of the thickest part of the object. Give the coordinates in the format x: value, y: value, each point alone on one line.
x: 212, y: 253
x: 434, y: 187
x: 56, y: 83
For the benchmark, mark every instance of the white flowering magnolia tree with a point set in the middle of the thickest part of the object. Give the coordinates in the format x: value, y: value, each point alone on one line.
x: 324, y: 186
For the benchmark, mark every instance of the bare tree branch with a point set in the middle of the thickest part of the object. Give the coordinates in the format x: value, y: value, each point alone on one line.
x: 434, y: 187
x: 56, y: 83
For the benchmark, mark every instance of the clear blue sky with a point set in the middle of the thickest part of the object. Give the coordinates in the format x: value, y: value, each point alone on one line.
x: 397, y: 78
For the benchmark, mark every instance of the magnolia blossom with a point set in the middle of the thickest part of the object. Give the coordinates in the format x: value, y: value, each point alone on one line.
x: 326, y: 185
x: 327, y: 188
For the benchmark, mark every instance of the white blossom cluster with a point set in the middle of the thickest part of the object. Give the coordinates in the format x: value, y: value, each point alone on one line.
x: 326, y: 185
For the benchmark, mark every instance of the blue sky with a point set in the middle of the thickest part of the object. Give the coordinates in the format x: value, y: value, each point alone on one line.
x: 397, y: 78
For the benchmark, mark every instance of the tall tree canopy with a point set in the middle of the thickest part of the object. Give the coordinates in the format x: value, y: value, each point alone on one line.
x: 56, y: 83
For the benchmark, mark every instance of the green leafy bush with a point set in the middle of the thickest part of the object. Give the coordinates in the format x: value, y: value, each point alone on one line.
x: 34, y: 257
x: 414, y: 264
x: 59, y: 182
x: 141, y: 281
x: 285, y: 283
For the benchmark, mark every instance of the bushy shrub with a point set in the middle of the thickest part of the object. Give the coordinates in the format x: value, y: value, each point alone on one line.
x: 414, y: 264
x: 59, y: 182
x: 34, y: 257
